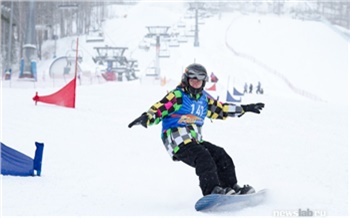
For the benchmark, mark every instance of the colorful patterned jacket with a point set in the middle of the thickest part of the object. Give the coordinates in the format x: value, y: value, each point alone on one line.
x: 188, y: 113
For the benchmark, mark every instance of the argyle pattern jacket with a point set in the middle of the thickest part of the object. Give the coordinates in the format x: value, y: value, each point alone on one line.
x: 177, y: 135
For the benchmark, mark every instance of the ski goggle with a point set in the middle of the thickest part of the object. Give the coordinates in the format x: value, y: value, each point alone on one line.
x: 196, y: 75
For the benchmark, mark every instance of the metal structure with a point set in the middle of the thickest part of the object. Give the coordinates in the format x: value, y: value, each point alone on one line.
x: 116, y: 62
x: 157, y: 31
x: 9, y: 53
x: 73, y: 7
x: 95, y: 36
x: 28, y: 62
x: 196, y: 6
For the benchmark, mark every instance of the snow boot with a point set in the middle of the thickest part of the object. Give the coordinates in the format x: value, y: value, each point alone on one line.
x: 229, y: 191
x: 246, y: 189
x: 223, y: 191
x: 218, y: 190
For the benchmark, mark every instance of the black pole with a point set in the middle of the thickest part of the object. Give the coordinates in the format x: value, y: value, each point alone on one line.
x: 196, y: 41
x: 29, y: 48
x: 157, y: 55
x: 9, y: 53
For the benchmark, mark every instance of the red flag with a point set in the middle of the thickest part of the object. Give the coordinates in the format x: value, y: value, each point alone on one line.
x: 64, y: 97
x: 212, y: 88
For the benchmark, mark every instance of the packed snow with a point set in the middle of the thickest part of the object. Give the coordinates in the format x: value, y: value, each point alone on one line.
x: 94, y: 165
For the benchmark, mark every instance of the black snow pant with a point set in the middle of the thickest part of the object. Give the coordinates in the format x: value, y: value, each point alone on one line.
x: 213, y: 165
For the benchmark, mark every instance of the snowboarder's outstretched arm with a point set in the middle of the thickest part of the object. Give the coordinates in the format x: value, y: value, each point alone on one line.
x: 169, y: 104
x: 173, y: 101
x: 141, y: 120
x: 218, y: 110
x: 255, y: 108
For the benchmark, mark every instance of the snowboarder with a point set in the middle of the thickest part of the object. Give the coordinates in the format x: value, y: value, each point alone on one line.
x: 182, y: 112
x: 258, y: 88
x: 250, y: 88
x: 245, y: 88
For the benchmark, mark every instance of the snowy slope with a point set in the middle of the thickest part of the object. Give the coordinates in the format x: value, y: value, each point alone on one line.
x: 94, y: 165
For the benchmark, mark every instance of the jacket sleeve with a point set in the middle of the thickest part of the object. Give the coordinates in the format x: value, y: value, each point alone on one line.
x: 169, y: 104
x: 218, y: 110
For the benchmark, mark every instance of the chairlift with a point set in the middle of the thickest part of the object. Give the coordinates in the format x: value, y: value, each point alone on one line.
x: 164, y: 53
x: 71, y: 56
x: 145, y: 44
x: 190, y: 33
x: 95, y: 37
x: 201, y: 22
x: 151, y: 72
x: 174, y: 43
x: 189, y: 15
x: 182, y: 39
x: 134, y: 63
x: 68, y: 6
x: 108, y: 53
x: 181, y: 24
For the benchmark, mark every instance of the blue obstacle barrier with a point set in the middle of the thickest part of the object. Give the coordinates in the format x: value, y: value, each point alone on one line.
x: 15, y: 163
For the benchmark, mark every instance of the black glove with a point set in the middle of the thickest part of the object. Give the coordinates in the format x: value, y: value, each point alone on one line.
x: 255, y: 108
x: 140, y: 120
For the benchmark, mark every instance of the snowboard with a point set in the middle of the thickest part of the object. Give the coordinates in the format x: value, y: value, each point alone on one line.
x: 216, y: 202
